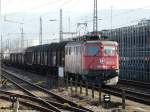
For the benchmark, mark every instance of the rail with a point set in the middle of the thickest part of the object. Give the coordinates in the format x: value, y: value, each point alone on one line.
x: 71, y: 105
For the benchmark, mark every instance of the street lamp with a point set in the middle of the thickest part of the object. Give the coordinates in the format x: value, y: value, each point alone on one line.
x: 52, y: 20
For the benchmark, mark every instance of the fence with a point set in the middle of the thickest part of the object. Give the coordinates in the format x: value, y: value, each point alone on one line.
x: 134, y: 50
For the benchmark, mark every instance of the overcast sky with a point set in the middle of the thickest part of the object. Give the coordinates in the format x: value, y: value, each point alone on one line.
x: 12, y: 6
x: 124, y: 13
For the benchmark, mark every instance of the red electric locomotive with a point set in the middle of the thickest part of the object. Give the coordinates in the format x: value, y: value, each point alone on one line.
x: 95, y: 60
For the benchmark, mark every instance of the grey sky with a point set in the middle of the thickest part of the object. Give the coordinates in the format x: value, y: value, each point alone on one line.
x: 11, y: 6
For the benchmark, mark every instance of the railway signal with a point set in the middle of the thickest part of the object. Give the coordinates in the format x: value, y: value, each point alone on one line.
x: 106, y: 99
x: 14, y: 101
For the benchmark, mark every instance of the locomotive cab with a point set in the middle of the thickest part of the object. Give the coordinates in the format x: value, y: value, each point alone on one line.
x: 100, y: 61
x: 93, y: 60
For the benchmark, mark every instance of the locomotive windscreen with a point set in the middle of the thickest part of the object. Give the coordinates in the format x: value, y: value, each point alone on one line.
x: 92, y: 50
x: 109, y: 50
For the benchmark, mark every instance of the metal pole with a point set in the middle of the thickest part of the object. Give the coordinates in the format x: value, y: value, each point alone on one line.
x: 22, y: 38
x: 66, y: 74
x: 95, y: 18
x: 1, y: 42
x: 86, y: 88
x: 80, y: 87
x: 61, y: 31
x: 1, y: 61
x: 111, y: 19
x: 123, y: 99
x: 71, y: 86
x: 69, y: 23
x: 0, y: 8
x: 100, y: 87
x: 76, y: 84
x: 16, y: 108
x: 41, y: 31
x: 92, y: 90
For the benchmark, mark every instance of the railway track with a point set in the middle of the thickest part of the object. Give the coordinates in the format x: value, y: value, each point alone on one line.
x: 135, y: 83
x: 51, y: 100
x: 25, y: 100
x: 130, y: 93
x: 140, y: 97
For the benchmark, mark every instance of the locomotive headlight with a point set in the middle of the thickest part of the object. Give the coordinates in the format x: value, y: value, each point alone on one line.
x: 117, y: 71
x: 101, y: 61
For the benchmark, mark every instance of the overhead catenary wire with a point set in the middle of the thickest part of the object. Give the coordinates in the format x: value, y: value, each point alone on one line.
x: 59, y: 7
x: 65, y: 3
x: 132, y: 10
x: 45, y: 4
x: 127, y: 12
x: 54, y: 10
x: 123, y: 13
x: 37, y: 7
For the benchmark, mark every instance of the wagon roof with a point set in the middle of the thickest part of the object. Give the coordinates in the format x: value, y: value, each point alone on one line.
x: 62, y: 45
x: 16, y: 51
x: 40, y: 47
x: 94, y: 42
x: 53, y: 46
x: 30, y: 49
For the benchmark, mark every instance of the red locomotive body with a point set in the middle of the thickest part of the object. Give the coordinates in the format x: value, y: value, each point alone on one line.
x: 93, y: 60
x: 100, y: 55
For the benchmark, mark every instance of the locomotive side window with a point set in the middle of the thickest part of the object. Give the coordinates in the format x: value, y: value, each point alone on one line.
x: 92, y: 50
x: 33, y: 57
x: 66, y: 51
x: 80, y: 50
x: 72, y: 50
x: 109, y: 50
x: 69, y: 50
x: 38, y: 57
x: 77, y: 50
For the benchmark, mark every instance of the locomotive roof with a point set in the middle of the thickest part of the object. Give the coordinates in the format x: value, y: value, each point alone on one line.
x: 103, y: 42
x: 95, y: 42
